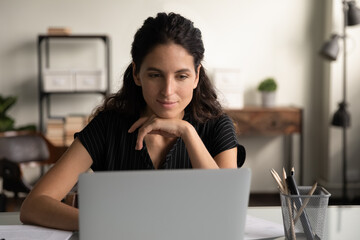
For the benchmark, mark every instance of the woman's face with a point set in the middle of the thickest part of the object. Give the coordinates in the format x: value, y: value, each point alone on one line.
x: 167, y: 77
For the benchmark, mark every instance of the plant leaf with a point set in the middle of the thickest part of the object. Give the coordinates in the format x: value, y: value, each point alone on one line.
x: 6, y: 103
x: 6, y: 124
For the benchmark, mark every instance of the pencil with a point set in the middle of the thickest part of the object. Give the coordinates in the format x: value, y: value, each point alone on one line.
x: 284, y: 180
x: 278, y: 180
x: 311, y: 192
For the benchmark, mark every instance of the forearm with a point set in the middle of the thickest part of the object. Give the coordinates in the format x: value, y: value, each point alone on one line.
x: 49, y: 212
x: 198, y: 153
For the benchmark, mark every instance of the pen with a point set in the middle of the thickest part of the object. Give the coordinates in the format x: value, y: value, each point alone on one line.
x: 312, y: 190
x: 288, y: 202
x: 303, y: 218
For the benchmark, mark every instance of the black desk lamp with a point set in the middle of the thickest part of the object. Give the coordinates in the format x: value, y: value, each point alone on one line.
x: 330, y: 51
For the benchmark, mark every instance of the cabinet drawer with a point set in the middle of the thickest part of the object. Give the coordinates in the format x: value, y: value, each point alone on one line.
x: 266, y: 121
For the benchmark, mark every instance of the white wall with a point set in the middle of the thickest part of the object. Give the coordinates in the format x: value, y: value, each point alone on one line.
x: 262, y: 38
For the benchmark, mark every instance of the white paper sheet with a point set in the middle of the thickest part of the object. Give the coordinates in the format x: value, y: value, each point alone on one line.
x: 257, y: 228
x: 17, y: 232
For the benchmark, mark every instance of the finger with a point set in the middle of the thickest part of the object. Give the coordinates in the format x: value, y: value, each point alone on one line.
x: 137, y: 124
x: 139, y: 145
x: 143, y: 131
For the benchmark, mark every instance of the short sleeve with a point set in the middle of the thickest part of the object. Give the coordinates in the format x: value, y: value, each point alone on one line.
x: 224, y: 138
x: 93, y: 138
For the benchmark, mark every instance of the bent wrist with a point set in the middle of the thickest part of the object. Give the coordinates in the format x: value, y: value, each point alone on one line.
x: 188, y: 131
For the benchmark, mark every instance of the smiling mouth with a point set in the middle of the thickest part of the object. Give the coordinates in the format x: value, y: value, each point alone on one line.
x: 166, y: 103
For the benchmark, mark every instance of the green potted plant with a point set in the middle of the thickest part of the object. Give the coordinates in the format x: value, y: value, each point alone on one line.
x: 268, y: 87
x: 7, y: 122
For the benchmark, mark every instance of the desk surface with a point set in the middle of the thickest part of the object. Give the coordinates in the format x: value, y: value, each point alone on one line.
x: 342, y: 221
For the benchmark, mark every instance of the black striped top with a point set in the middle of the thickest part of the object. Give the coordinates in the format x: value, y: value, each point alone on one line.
x: 111, y: 147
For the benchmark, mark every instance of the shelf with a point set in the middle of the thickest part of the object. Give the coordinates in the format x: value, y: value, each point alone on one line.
x: 75, y: 92
x: 74, y: 36
x: 43, y: 50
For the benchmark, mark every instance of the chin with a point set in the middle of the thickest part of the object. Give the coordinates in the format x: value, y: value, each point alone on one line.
x: 168, y: 115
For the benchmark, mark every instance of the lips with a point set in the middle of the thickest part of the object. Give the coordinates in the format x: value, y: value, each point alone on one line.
x: 166, y: 103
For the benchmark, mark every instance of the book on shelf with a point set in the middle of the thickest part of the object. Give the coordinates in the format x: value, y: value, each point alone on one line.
x: 55, y: 131
x: 60, y: 131
x: 75, y: 119
x: 55, y: 121
x: 73, y: 124
x: 58, y: 31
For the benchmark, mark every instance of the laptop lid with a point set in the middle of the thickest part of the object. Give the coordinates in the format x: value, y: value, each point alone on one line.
x: 163, y: 205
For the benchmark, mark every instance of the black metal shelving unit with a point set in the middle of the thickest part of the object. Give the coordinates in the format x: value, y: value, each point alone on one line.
x: 44, y: 61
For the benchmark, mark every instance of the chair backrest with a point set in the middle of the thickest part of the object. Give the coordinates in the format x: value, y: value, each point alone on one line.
x: 23, y: 148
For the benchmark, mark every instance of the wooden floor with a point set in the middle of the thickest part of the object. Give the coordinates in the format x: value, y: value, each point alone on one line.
x: 273, y: 199
x: 264, y: 199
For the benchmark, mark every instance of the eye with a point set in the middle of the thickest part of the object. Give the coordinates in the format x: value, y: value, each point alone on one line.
x: 154, y: 75
x: 183, y: 76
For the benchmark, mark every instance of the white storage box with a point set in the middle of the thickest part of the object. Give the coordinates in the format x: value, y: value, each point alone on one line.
x: 89, y: 80
x: 58, y: 80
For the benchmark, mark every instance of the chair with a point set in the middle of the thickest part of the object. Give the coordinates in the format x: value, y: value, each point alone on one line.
x: 18, y: 148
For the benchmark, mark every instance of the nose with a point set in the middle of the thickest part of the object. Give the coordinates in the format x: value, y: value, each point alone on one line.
x: 168, y: 86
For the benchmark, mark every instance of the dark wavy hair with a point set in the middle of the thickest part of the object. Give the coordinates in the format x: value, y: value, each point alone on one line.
x: 164, y: 29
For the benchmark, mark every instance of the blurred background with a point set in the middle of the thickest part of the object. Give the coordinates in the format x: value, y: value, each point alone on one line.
x: 256, y: 39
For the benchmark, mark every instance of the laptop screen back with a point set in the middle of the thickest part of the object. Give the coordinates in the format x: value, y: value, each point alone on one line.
x: 163, y: 205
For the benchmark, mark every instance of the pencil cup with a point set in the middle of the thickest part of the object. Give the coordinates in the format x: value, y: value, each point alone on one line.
x: 305, y: 216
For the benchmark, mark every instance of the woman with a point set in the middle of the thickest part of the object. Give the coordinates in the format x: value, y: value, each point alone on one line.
x: 166, y: 116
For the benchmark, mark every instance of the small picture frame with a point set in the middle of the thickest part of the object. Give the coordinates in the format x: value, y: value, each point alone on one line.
x: 230, y: 87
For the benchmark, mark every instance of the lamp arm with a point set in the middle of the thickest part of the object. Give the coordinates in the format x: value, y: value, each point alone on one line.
x: 345, y: 10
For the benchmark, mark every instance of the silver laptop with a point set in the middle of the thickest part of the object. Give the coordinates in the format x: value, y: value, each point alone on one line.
x: 164, y: 204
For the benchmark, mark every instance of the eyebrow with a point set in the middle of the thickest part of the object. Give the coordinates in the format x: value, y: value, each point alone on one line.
x: 178, y: 71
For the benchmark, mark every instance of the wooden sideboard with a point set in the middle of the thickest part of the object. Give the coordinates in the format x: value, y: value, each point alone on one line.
x: 260, y: 121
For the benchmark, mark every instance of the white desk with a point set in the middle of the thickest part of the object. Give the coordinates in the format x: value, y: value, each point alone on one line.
x: 343, y: 222
x: 13, y: 218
